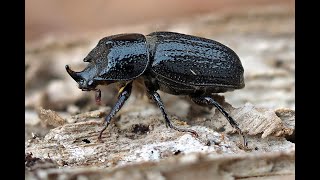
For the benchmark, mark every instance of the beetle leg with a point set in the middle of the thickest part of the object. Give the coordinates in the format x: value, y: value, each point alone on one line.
x: 124, y: 94
x: 156, y: 97
x: 205, y: 100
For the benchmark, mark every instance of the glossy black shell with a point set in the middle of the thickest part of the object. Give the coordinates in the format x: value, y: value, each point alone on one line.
x: 184, y: 64
x: 126, y: 57
x: 172, y: 62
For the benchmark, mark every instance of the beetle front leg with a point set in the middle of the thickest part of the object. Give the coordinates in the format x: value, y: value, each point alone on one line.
x: 206, y: 100
x: 156, y: 97
x: 124, y: 94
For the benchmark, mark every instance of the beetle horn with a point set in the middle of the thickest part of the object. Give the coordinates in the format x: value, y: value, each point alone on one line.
x: 73, y: 74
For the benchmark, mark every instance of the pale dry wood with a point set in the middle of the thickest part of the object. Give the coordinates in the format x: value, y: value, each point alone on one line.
x: 50, y: 117
x: 132, y: 140
x: 254, y: 166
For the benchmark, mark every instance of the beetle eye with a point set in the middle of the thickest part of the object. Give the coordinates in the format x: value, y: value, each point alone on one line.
x: 81, y: 81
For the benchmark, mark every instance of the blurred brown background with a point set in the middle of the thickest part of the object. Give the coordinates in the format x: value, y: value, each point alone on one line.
x: 62, y: 17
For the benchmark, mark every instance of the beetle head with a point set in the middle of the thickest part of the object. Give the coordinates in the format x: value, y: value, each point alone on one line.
x: 85, y: 78
x: 89, y: 78
x: 115, y: 58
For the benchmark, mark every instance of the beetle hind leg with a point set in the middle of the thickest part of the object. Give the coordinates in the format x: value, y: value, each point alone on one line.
x: 206, y: 100
x: 156, y: 97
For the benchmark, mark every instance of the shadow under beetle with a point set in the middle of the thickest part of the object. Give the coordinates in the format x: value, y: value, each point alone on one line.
x: 174, y: 63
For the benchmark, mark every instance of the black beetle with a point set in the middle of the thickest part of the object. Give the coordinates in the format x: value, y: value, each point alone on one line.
x: 175, y: 63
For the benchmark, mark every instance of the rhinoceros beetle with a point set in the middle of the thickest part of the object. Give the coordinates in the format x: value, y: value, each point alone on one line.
x: 174, y: 63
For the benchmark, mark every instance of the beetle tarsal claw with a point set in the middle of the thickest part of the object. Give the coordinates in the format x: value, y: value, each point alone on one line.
x: 245, y: 142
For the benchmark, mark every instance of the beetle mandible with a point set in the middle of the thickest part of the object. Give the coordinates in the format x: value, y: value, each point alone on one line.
x: 174, y: 63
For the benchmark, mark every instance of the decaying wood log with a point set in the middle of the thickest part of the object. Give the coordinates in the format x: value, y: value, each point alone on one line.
x: 134, y: 140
